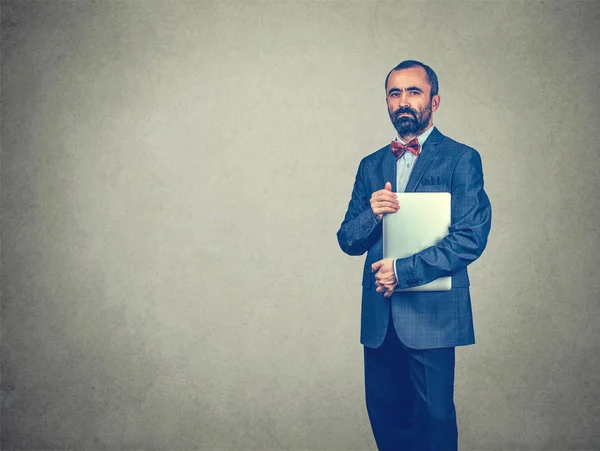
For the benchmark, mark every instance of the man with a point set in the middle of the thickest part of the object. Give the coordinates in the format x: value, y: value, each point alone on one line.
x: 409, y: 338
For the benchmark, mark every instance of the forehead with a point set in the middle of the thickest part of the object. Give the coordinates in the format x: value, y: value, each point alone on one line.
x: 405, y: 78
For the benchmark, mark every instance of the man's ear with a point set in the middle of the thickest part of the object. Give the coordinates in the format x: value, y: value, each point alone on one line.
x: 435, y: 102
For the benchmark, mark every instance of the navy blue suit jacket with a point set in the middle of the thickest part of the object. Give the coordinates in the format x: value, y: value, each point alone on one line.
x: 423, y: 320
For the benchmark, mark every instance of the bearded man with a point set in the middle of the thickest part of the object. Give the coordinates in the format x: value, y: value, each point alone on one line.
x: 410, y: 337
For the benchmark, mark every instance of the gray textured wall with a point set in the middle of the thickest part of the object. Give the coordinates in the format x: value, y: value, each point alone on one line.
x: 173, y: 175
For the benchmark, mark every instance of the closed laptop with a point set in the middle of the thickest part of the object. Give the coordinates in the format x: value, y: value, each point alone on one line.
x: 422, y: 221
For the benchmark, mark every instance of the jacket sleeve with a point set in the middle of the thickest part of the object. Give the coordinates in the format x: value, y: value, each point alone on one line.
x: 360, y: 228
x: 468, y: 233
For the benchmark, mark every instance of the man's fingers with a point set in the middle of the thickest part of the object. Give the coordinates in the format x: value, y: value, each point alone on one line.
x: 387, y: 292
x: 384, y: 195
x: 387, y: 282
x: 380, y: 202
x: 388, y: 186
x: 384, y: 206
x: 381, y: 211
x: 375, y: 266
x: 385, y: 202
x: 388, y: 205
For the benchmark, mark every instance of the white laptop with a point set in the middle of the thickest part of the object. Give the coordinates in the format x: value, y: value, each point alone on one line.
x: 422, y: 221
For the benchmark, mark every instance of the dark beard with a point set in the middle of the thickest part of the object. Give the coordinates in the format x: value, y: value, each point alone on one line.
x: 412, y: 125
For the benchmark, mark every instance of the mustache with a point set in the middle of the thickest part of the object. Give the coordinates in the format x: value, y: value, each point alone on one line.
x: 404, y: 110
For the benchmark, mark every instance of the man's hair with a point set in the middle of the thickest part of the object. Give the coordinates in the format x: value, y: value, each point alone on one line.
x: 431, y: 76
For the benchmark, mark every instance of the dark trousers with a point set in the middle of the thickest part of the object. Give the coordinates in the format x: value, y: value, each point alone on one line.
x: 410, y: 396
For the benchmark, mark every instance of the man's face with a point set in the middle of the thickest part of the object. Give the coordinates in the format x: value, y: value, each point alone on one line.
x: 409, y: 101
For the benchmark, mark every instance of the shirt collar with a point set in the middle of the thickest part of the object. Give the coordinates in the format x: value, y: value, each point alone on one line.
x: 422, y: 137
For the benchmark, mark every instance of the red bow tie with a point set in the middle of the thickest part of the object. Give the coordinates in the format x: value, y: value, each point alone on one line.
x: 412, y: 146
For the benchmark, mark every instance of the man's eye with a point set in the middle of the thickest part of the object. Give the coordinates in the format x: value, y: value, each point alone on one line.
x: 414, y: 93
x: 394, y: 94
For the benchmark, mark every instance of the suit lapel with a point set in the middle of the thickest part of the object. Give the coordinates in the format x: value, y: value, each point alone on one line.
x: 389, y: 168
x: 428, y: 153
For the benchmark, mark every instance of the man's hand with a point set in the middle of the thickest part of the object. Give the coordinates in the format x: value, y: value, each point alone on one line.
x: 384, y: 201
x: 385, y: 279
